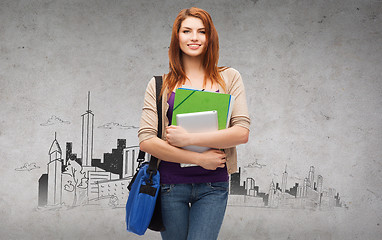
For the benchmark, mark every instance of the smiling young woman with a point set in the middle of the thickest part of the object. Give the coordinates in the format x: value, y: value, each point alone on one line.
x: 194, y: 199
x: 209, y: 56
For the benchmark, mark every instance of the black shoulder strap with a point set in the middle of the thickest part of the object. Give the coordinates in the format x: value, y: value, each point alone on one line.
x: 153, y: 164
x: 158, y: 84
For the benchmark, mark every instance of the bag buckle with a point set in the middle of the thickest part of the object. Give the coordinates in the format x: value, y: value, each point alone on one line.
x: 149, y: 181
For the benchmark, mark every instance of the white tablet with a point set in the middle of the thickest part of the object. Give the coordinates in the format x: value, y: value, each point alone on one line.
x: 198, y: 122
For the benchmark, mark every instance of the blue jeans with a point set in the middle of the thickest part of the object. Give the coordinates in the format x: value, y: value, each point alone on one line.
x: 193, y: 211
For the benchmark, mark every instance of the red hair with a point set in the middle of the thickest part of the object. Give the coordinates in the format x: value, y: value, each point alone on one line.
x: 210, y: 58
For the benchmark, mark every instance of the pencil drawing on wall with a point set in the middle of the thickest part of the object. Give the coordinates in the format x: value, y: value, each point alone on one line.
x: 81, y: 180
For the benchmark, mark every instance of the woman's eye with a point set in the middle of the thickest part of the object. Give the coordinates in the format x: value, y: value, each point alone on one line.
x: 186, y: 31
x: 203, y: 32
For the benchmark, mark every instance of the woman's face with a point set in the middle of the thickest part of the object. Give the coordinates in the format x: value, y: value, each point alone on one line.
x: 192, y: 36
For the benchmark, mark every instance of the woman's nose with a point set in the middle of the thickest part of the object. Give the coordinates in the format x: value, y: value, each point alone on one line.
x: 194, y: 36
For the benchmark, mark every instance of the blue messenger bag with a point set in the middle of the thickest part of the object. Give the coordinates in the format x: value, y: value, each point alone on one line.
x: 142, y: 200
x: 143, y: 207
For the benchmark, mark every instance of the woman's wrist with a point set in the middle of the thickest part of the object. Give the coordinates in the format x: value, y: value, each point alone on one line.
x: 196, y: 158
x: 190, y: 139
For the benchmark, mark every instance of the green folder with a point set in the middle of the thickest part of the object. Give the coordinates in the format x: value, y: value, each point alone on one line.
x: 190, y: 100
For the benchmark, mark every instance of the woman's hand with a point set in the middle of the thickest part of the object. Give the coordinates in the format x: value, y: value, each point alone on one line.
x: 212, y: 159
x: 177, y: 136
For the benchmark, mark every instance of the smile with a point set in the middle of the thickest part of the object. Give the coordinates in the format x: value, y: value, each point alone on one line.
x: 194, y: 46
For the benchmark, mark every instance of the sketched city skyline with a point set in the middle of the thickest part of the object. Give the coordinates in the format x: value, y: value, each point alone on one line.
x: 73, y: 180
x: 310, y: 194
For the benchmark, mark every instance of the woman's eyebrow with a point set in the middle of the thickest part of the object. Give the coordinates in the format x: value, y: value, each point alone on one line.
x: 191, y: 28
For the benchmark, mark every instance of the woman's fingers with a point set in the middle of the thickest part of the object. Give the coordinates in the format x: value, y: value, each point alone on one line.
x: 177, y: 136
x: 223, y: 161
x: 214, y: 159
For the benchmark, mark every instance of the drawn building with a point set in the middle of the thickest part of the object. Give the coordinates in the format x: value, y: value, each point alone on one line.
x: 54, y: 173
x: 87, y: 136
x: 244, y: 193
x: 293, y: 190
x: 328, y: 198
x: 338, y: 200
x: 272, y: 195
x: 319, y: 183
x: 68, y: 152
x: 115, y: 189
x: 43, y: 190
x: 236, y: 188
x: 311, y: 177
x: 130, y: 155
x: 284, y: 181
x: 113, y: 162
x: 94, y: 178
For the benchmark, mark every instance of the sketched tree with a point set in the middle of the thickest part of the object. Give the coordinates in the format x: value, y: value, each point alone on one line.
x: 78, y: 179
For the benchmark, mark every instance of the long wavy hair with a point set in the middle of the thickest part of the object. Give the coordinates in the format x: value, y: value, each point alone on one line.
x: 177, y: 75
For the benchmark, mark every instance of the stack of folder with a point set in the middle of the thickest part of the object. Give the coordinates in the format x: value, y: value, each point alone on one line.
x: 189, y: 100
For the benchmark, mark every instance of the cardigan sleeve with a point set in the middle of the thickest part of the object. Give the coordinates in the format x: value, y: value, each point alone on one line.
x: 240, y: 116
x: 149, y: 119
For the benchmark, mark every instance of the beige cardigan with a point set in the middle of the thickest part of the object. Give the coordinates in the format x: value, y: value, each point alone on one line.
x: 235, y: 87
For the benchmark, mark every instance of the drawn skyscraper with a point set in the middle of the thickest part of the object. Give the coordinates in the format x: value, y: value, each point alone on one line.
x: 305, y: 187
x: 43, y: 190
x: 271, y: 197
x: 284, y: 181
x: 87, y: 136
x: 54, y: 173
x: 250, y: 186
x: 235, y: 186
x: 319, y: 183
x: 311, y: 177
x: 130, y: 155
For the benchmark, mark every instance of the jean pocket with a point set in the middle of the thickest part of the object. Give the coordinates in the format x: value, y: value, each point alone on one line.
x: 166, y: 188
x: 219, y: 185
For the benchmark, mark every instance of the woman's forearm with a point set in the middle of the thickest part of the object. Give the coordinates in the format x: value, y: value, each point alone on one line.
x: 163, y: 150
x: 224, y: 138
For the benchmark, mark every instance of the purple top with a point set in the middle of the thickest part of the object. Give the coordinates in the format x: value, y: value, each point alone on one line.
x: 173, y: 173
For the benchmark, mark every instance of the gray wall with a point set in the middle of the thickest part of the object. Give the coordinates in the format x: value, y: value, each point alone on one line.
x: 312, y: 71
